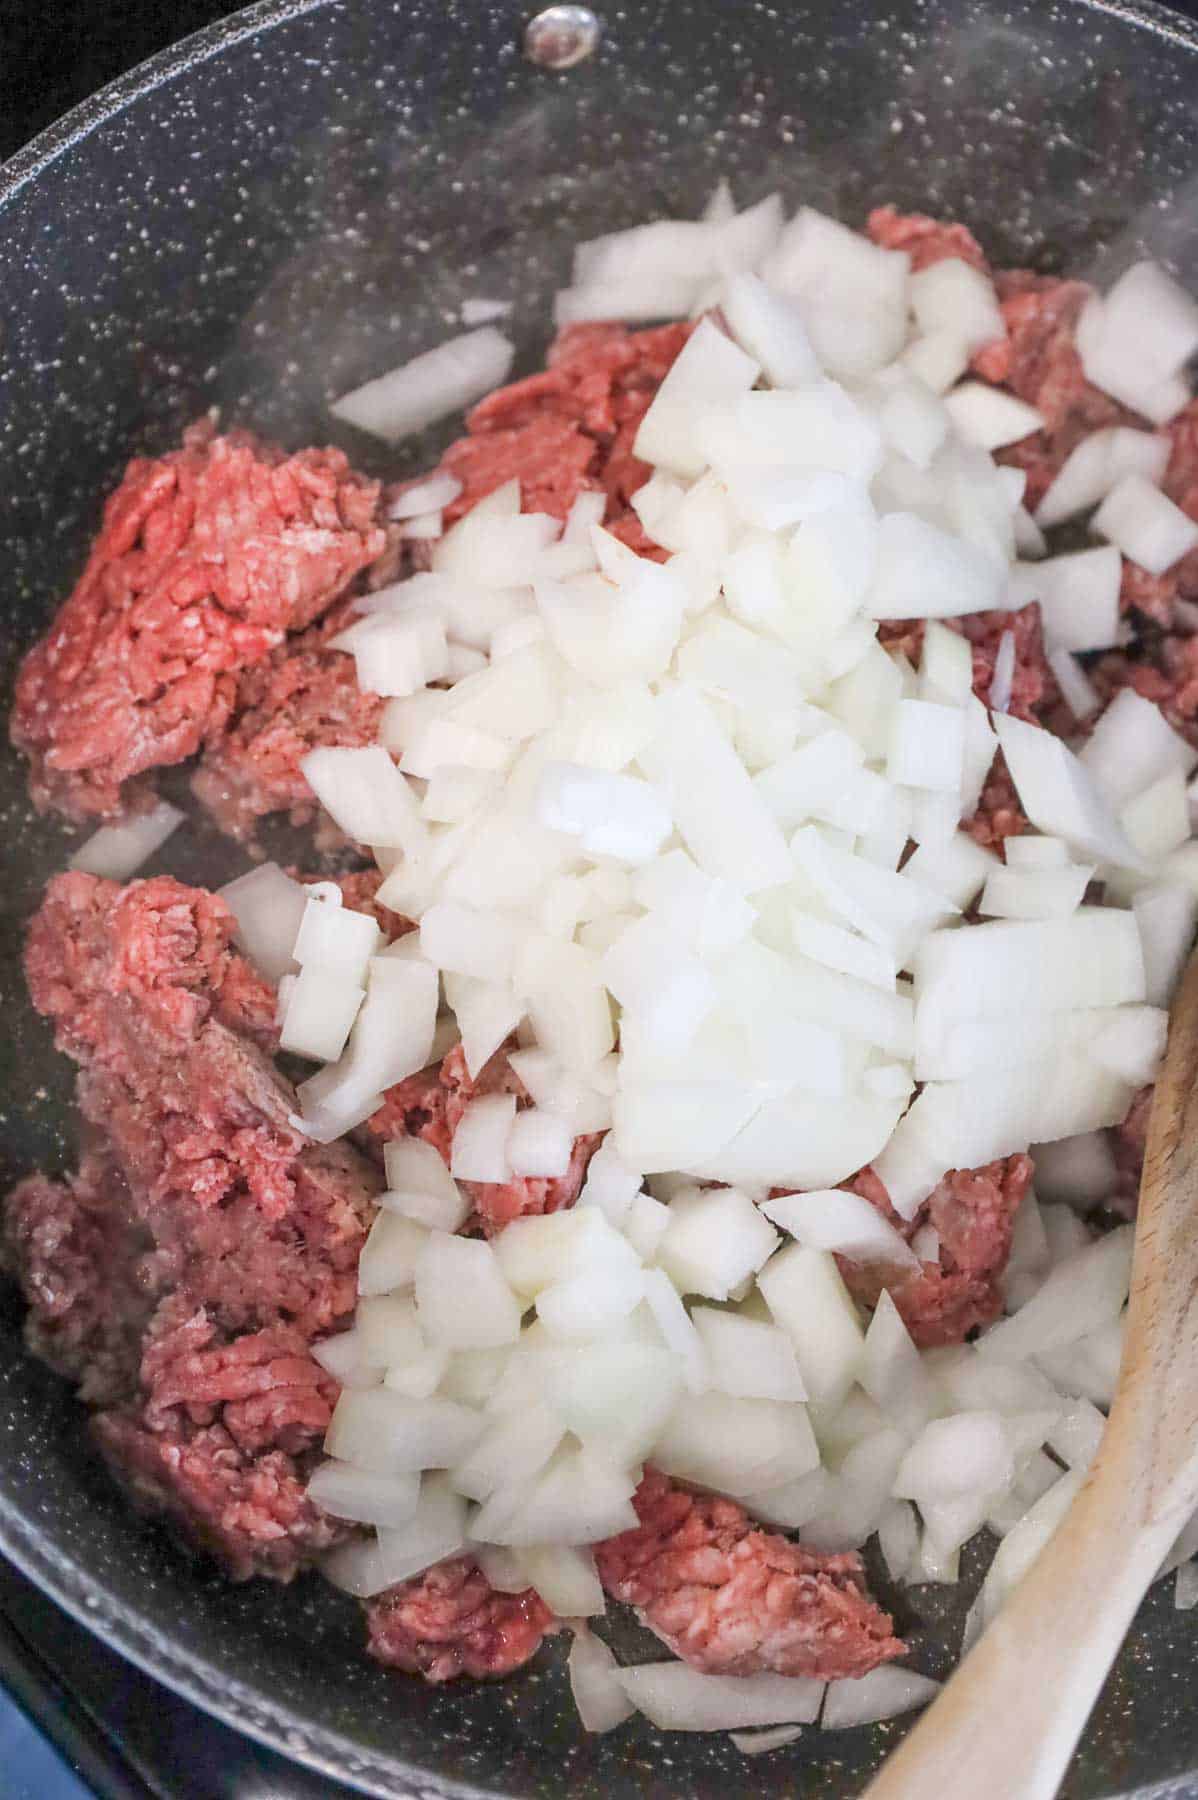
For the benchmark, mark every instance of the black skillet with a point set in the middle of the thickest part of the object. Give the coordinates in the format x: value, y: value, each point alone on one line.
x: 287, y: 204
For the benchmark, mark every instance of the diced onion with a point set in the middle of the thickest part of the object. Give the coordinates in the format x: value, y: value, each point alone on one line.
x: 118, y: 851
x: 428, y: 388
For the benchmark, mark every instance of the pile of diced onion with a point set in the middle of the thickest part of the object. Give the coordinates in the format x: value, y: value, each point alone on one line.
x: 653, y: 820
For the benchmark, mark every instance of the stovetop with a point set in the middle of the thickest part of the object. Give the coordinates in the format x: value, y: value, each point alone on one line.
x: 125, y: 1737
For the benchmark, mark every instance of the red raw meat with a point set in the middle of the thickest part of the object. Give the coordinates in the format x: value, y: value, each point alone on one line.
x: 1156, y: 595
x: 450, y: 1621
x: 973, y: 1210
x: 305, y: 697
x: 1038, y: 361
x: 999, y: 814
x: 1033, y: 685
x: 1128, y: 1142
x: 244, y: 1233
x: 925, y: 240
x: 731, y: 1599
x: 263, y: 1386
x: 570, y: 427
x: 78, y: 1253
x: 1164, y: 670
x: 251, y: 1512
x: 430, y: 1106
x: 206, y: 558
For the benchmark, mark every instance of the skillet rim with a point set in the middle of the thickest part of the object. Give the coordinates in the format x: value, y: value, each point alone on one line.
x: 86, y: 1599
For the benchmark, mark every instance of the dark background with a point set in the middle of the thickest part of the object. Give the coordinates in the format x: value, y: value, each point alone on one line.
x: 55, y: 53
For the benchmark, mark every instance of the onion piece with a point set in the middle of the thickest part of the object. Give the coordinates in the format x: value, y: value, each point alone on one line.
x: 807, y: 1297
x: 990, y: 418
x: 436, y: 1531
x: 709, y: 369
x: 118, y: 851
x: 747, y: 1357
x: 882, y: 1694
x: 430, y: 387
x: 462, y: 1299
x: 370, y: 1499
x: 958, y: 300
x: 1059, y: 795
x: 390, y: 1434
x: 1145, y: 525
x: 268, y: 906
x: 1131, y: 746
x: 1096, y: 465
x: 757, y: 1743
x: 923, y: 571
x: 677, y: 1698
x: 833, y: 1219
x: 364, y: 794
x: 594, y: 1682
x: 1167, y: 918
x: 1080, y: 1296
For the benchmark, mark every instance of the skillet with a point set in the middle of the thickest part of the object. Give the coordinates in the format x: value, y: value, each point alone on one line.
x: 278, y: 209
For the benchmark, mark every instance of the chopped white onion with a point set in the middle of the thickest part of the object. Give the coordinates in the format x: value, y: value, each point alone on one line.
x: 677, y: 1698
x: 268, y: 906
x: 118, y: 851
x: 882, y: 1694
x: 428, y: 388
x: 1145, y: 525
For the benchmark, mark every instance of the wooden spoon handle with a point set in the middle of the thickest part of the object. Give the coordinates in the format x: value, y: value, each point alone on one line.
x: 1006, y: 1724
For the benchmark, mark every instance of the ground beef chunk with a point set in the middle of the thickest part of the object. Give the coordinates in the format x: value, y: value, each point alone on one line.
x: 306, y: 696
x: 731, y: 1599
x: 263, y: 1387
x: 430, y: 1106
x: 973, y: 1210
x: 999, y: 814
x: 450, y: 1621
x: 1156, y: 596
x: 247, y: 1235
x: 569, y: 428
x: 206, y: 558
x: 925, y: 240
x: 78, y: 1253
x: 1164, y: 669
x: 1033, y: 686
x: 1038, y: 361
x: 1128, y: 1142
x: 251, y: 1512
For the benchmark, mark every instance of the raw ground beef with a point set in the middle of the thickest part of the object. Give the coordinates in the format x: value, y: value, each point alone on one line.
x: 925, y: 240
x: 206, y: 558
x: 1033, y: 684
x: 569, y: 428
x: 430, y: 1106
x: 999, y: 814
x: 245, y: 1236
x: 450, y: 1621
x: 973, y: 1210
x: 79, y: 1252
x: 1039, y: 362
x: 251, y: 1512
x: 305, y: 696
x: 1128, y: 1142
x: 731, y: 1599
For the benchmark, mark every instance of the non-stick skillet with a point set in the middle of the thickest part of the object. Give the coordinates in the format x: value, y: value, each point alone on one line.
x: 284, y: 206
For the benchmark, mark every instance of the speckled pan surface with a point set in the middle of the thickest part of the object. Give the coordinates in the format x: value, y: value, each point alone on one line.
x: 281, y: 208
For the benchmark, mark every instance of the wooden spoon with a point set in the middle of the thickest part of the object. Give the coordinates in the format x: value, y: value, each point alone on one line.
x: 1005, y: 1726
